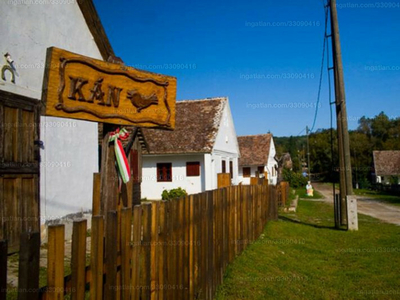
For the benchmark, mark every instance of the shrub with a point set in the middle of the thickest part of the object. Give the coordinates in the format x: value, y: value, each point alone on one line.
x: 174, y: 193
x: 295, y: 180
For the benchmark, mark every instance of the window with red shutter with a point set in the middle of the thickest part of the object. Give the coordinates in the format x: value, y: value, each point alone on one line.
x: 246, y: 171
x: 164, y: 172
x: 231, y: 168
x: 193, y: 168
x: 223, y: 166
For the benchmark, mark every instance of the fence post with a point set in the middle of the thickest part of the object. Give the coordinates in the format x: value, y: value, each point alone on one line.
x: 110, y: 289
x: 3, y: 269
x: 28, y: 274
x: 55, y: 262
x: 97, y: 258
x: 126, y: 219
x: 154, y: 286
x: 78, y: 260
x: 145, y: 252
x: 137, y: 232
x: 162, y: 255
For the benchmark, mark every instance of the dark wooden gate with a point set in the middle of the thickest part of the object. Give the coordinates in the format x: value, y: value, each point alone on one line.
x: 19, y: 167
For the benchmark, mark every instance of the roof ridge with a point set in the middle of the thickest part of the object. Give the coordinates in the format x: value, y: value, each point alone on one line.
x: 204, y: 99
x: 255, y: 135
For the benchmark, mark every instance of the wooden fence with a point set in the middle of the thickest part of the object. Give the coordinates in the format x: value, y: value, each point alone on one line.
x: 175, y: 249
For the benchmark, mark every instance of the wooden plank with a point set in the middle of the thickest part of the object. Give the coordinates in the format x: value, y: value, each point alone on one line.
x: 97, y: 258
x: 78, y: 259
x: 210, y: 239
x: 196, y: 250
x: 111, y: 288
x: 55, y: 263
x: 186, y: 247
x: 123, y: 96
x: 145, y: 252
x: 169, y: 249
x: 162, y: 254
x: 192, y: 247
x: 136, y: 246
x: 179, y: 244
x: 126, y: 217
x: 3, y: 269
x: 2, y: 128
x: 28, y: 271
x: 10, y: 123
x: 154, y: 285
x: 96, y: 194
x: 108, y: 181
x: 224, y: 180
x: 12, y: 211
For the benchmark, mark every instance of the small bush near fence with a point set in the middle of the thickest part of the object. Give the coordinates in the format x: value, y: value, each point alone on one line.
x: 173, y: 194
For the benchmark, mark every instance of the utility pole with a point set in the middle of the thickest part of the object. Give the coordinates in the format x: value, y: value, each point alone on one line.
x: 346, y: 187
x: 308, y: 155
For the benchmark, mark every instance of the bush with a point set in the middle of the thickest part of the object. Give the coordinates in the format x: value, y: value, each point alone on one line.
x: 174, y: 193
x: 295, y: 180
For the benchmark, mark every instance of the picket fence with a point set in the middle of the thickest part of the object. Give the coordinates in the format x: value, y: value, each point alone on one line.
x: 176, y: 249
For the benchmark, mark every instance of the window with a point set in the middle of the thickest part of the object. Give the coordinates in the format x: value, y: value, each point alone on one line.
x: 223, y: 166
x: 231, y: 168
x: 246, y: 172
x: 193, y: 168
x: 164, y: 172
x: 260, y: 170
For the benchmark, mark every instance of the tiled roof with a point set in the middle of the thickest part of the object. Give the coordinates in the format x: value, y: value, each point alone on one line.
x: 387, y: 163
x: 196, y: 127
x: 254, y: 149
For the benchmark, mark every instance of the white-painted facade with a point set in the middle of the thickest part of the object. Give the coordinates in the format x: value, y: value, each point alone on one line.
x: 225, y: 149
x: 271, y: 168
x: 70, y: 154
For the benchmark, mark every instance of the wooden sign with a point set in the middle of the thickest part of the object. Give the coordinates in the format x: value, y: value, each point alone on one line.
x: 80, y: 87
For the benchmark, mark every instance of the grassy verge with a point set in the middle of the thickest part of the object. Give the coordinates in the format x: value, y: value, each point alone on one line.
x: 379, y: 196
x: 302, y: 193
x: 301, y: 256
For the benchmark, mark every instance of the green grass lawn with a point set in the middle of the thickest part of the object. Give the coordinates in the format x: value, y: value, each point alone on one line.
x: 302, y: 193
x: 301, y: 256
x: 380, y: 196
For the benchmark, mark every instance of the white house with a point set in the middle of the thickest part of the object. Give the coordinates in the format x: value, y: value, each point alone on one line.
x: 387, y: 166
x: 202, y: 145
x: 257, y: 153
x: 69, y: 151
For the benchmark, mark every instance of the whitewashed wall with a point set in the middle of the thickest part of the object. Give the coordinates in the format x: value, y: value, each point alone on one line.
x: 70, y: 155
x: 226, y: 147
x: 151, y: 189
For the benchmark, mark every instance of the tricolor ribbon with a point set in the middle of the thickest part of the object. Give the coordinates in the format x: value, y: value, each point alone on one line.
x: 122, y: 161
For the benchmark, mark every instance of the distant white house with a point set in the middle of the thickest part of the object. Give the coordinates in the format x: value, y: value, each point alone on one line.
x: 387, y: 166
x: 203, y: 144
x: 257, y: 154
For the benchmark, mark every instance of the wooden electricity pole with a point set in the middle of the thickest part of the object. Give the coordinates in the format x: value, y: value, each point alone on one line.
x: 346, y: 185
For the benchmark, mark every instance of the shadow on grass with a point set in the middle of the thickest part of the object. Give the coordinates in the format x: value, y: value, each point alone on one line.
x: 309, y: 224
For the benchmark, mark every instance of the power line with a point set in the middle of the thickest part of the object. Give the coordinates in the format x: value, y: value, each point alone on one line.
x: 322, y: 70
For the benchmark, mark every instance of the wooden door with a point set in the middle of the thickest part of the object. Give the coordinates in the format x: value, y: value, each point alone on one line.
x: 19, y: 167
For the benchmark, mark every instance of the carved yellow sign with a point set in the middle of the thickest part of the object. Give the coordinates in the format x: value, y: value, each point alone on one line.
x: 80, y: 87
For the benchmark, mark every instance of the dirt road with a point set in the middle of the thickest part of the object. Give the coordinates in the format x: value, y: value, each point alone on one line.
x: 367, y: 206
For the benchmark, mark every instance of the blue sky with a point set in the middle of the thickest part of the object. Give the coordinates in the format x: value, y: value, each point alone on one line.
x: 264, y: 55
